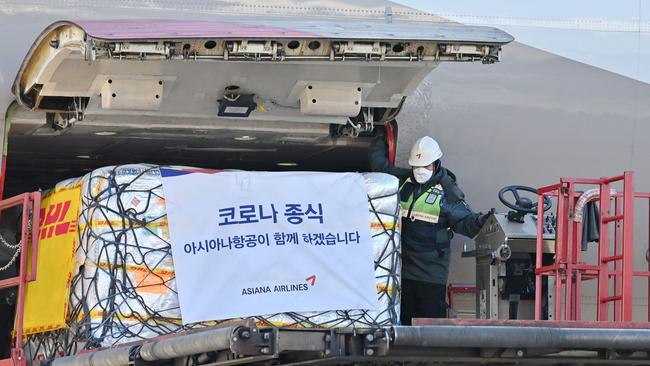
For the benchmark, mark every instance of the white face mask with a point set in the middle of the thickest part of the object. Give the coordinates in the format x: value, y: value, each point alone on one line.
x: 422, y: 175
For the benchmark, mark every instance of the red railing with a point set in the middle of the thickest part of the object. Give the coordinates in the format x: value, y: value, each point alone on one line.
x: 31, y: 203
x: 615, y: 260
x: 454, y: 289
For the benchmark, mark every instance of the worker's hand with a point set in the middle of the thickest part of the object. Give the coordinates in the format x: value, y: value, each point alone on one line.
x: 483, y: 218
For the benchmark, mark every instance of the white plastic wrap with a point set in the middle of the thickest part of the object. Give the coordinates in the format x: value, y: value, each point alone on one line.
x: 125, y: 289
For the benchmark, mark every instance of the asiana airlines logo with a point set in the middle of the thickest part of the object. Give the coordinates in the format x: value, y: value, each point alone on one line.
x: 53, y: 220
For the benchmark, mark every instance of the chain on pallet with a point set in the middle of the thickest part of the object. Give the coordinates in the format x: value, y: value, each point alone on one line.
x: 16, y: 248
x: 124, y: 288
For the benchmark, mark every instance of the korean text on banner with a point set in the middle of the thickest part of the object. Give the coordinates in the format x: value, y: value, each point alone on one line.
x: 256, y: 243
x: 46, y: 299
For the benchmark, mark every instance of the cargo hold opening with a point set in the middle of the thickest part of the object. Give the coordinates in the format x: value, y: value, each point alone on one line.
x: 39, y: 155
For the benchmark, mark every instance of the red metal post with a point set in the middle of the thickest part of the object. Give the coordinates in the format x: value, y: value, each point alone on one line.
x: 25, y: 274
x: 560, y: 247
x: 577, y: 296
x: 20, y: 306
x: 617, y: 252
x: 628, y: 246
x: 538, y: 256
x: 570, y: 250
x: 561, y: 219
x: 603, y: 251
x: 36, y: 217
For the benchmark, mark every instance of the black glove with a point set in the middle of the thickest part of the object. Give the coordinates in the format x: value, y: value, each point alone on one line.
x: 483, y: 218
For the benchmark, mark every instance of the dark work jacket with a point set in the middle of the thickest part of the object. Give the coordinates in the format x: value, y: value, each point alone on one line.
x: 426, y: 246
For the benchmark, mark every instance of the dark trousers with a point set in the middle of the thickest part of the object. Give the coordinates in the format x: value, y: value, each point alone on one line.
x: 422, y: 300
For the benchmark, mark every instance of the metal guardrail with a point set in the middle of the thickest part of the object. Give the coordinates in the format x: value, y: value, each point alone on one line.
x: 30, y: 202
x: 616, y: 254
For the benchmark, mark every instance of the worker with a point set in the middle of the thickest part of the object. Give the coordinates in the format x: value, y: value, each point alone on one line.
x: 433, y: 208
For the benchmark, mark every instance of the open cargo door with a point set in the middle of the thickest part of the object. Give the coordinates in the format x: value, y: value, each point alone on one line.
x: 250, y: 93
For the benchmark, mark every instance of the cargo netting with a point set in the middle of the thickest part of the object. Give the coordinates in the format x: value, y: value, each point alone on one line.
x: 123, y: 288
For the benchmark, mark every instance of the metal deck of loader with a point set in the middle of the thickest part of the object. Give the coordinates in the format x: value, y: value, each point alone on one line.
x: 436, y: 341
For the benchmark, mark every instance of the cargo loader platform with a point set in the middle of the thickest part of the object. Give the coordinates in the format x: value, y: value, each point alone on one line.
x: 435, y: 341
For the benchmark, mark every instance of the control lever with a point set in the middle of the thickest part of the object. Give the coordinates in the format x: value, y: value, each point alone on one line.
x: 501, y: 254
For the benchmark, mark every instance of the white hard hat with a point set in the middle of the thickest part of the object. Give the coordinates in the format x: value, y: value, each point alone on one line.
x: 424, y: 152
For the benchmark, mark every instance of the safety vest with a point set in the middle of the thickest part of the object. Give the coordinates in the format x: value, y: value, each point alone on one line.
x: 426, y: 207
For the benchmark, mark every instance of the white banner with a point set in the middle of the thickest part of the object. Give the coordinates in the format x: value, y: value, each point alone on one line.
x: 257, y: 243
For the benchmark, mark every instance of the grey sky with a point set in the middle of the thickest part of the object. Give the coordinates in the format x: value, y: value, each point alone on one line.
x: 602, y: 33
x: 551, y: 9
